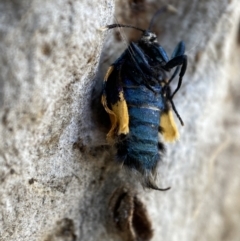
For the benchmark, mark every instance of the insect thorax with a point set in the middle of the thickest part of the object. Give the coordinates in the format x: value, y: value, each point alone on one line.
x: 148, y: 37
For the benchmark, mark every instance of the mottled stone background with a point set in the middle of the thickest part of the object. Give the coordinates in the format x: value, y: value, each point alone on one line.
x: 58, y: 178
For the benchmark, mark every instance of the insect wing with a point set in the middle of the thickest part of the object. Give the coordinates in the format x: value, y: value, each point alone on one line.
x: 114, y: 102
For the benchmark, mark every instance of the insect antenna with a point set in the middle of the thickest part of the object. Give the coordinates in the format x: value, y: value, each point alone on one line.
x: 116, y: 25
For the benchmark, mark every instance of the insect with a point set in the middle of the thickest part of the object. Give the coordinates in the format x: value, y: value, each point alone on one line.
x: 138, y: 99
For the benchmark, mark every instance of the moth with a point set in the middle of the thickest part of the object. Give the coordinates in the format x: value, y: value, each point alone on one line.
x: 139, y: 101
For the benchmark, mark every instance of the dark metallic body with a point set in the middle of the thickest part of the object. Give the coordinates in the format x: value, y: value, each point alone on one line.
x: 140, y: 74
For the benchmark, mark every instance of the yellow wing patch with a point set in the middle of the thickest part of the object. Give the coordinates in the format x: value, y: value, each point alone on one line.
x: 167, y: 123
x: 113, y: 119
x: 118, y: 113
x: 121, y: 111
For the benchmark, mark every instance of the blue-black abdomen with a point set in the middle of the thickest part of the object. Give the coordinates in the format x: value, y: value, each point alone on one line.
x: 140, y: 148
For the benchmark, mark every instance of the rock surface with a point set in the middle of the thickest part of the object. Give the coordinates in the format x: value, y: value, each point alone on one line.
x: 58, y: 178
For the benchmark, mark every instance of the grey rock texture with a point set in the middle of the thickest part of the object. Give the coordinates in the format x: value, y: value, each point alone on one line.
x: 58, y: 178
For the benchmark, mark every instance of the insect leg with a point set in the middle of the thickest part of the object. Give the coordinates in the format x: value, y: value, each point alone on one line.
x: 175, y: 62
x: 174, y: 75
x: 178, y: 51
